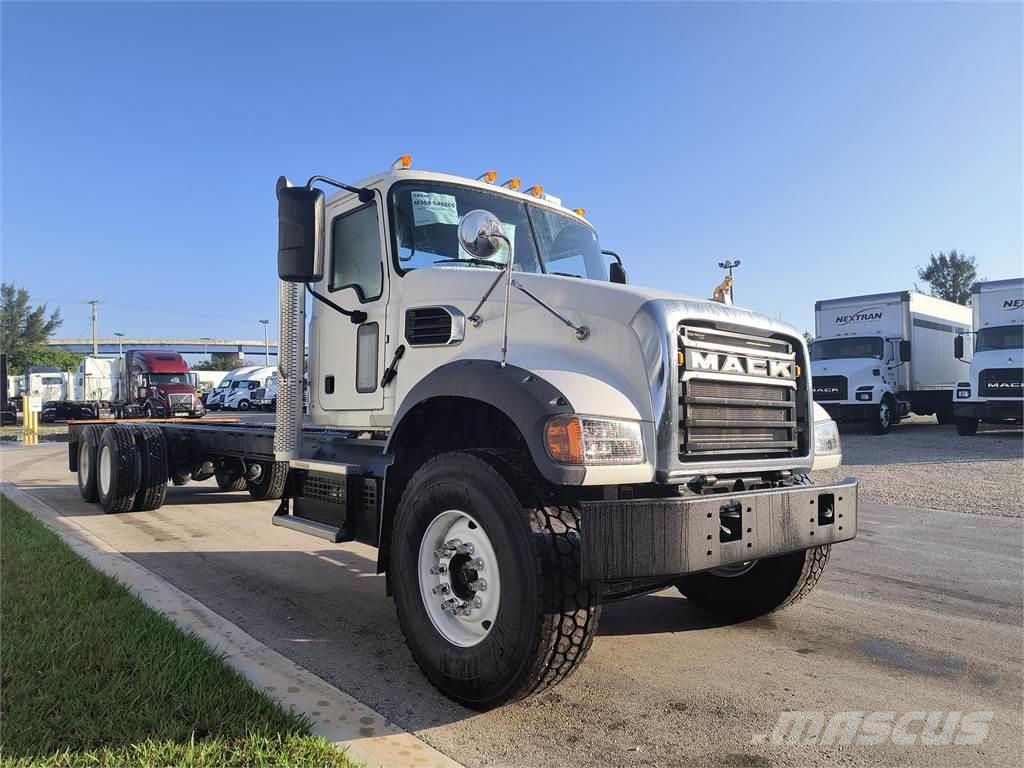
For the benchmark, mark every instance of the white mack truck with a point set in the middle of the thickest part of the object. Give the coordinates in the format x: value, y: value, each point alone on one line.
x: 994, y: 393
x: 520, y: 433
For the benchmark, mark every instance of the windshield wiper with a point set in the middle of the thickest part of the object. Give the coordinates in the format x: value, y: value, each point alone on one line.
x: 471, y: 260
x: 566, y: 274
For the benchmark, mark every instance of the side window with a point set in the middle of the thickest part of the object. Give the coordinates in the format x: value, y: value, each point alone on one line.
x: 356, y: 257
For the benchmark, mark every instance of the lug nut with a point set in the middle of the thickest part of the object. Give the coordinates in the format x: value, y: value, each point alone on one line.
x: 464, y: 549
x: 439, y: 570
x: 441, y: 589
x: 476, y: 564
x: 450, y: 605
x: 478, y: 585
x: 477, y: 602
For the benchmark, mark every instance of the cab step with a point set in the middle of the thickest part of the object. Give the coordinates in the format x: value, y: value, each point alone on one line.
x: 303, y: 525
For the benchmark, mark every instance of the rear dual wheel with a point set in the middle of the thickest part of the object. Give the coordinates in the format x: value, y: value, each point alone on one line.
x: 123, y: 467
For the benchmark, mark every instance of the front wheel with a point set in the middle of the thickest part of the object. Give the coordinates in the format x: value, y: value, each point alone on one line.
x: 967, y: 427
x: 746, y: 590
x: 884, y: 417
x: 244, y: 405
x: 486, y: 581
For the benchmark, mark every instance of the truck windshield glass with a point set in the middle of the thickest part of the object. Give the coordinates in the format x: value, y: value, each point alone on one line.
x: 426, y: 215
x: 169, y: 378
x: 1002, y: 337
x: 849, y: 348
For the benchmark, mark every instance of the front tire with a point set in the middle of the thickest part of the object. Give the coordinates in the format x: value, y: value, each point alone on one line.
x: 243, y: 405
x: 738, y: 593
x: 967, y: 427
x: 534, y: 620
x: 270, y: 484
x: 885, y: 416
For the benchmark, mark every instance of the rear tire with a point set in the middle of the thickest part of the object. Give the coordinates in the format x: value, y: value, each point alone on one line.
x: 119, y: 467
x: 270, y: 484
x: 767, y: 586
x: 153, y: 481
x: 545, y: 618
x: 243, y: 405
x: 967, y: 427
x: 88, y: 452
x: 228, y: 480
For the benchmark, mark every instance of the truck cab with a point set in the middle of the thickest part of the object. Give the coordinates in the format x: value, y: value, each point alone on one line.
x: 160, y: 384
x: 992, y: 394
x: 245, y: 389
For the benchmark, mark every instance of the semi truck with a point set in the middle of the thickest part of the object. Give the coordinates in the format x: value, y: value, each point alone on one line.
x: 993, y: 393
x: 880, y: 357
x: 215, y: 399
x: 246, y: 387
x: 520, y: 433
x: 141, y: 383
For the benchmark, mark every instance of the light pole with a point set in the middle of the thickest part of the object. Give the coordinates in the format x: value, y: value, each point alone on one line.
x: 266, y: 341
x: 730, y: 265
x: 205, y: 340
x: 119, y: 337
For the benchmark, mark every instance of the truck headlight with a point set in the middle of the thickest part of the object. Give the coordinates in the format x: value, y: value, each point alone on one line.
x: 826, y: 438
x: 585, y: 440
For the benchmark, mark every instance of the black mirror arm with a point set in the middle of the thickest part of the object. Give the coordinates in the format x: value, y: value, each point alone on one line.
x: 614, y: 255
x: 365, y: 195
x: 356, y: 316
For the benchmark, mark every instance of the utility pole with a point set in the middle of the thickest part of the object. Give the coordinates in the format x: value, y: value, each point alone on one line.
x: 730, y: 265
x: 95, y: 345
x: 266, y: 342
x: 119, y: 337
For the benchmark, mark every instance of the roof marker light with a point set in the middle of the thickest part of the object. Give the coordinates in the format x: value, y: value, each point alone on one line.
x: 536, y: 190
x: 580, y: 212
x: 404, y: 163
x: 513, y: 184
x: 488, y: 178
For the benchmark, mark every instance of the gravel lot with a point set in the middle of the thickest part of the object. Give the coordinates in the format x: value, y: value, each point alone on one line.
x: 922, y: 464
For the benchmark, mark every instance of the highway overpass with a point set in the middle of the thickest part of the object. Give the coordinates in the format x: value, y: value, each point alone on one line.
x: 219, y: 348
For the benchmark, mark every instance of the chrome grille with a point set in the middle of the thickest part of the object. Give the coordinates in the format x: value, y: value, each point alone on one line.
x: 737, y: 396
x: 180, y: 401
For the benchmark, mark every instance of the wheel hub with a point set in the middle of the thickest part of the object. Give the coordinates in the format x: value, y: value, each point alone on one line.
x: 458, y: 577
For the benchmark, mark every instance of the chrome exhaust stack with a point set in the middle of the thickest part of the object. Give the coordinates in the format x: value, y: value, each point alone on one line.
x: 291, y: 350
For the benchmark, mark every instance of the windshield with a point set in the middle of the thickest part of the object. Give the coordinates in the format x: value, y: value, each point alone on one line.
x: 849, y: 348
x: 1003, y: 337
x: 170, y: 378
x: 224, y: 385
x: 426, y: 217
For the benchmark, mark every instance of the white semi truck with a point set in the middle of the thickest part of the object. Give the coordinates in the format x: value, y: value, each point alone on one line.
x: 245, y: 387
x: 216, y: 398
x: 879, y: 357
x: 519, y: 433
x: 994, y: 392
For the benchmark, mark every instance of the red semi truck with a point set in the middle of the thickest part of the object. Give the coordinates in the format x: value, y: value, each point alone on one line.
x: 148, y: 383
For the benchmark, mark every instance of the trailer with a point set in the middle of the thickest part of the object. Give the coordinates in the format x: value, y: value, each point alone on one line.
x: 878, y: 358
x: 519, y: 433
x: 993, y: 393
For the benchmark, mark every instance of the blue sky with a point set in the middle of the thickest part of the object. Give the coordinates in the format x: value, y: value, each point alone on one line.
x: 829, y: 147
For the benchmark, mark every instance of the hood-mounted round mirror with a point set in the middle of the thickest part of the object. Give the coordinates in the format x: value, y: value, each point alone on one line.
x: 480, y: 233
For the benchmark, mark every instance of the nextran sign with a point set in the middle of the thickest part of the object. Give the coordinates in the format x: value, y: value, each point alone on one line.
x: 1010, y: 304
x: 717, y: 362
x: 860, y: 316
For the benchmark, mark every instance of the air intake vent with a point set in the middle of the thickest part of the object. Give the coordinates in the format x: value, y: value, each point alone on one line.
x: 429, y: 326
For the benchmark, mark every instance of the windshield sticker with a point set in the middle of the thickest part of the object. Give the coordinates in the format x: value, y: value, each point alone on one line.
x: 501, y: 257
x: 433, y: 208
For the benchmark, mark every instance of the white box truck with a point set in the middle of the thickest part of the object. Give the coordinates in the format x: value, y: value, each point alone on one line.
x: 994, y: 393
x: 877, y: 358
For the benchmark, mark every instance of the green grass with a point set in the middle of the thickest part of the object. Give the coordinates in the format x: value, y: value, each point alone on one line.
x: 91, y: 676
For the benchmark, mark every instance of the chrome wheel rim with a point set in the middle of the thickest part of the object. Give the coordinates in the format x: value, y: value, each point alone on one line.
x: 105, y: 470
x: 734, y: 570
x: 460, y: 585
x: 883, y: 414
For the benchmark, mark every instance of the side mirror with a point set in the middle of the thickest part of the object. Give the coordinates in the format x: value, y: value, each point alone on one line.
x: 140, y: 380
x: 958, y: 347
x: 905, y: 351
x: 300, y: 233
x: 617, y: 274
x: 480, y: 233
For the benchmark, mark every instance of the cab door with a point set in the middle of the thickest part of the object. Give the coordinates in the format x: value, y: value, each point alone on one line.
x: 350, y: 355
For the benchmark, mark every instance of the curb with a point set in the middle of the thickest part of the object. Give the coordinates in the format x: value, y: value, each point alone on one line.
x: 364, y: 734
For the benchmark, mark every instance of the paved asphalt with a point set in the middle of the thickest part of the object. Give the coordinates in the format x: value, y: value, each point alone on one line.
x: 922, y: 612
